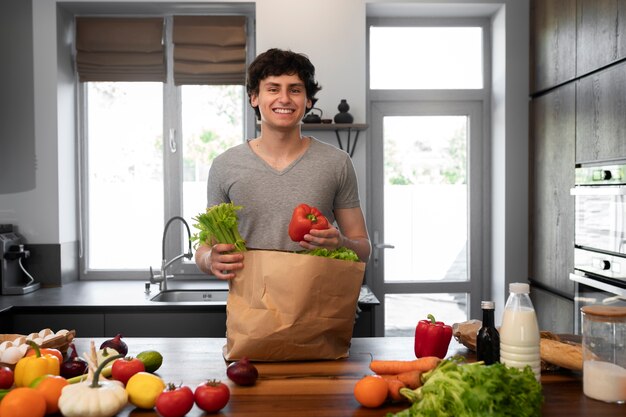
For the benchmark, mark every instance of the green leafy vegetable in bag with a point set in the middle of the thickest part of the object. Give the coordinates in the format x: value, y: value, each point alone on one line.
x: 339, y: 253
x: 219, y: 224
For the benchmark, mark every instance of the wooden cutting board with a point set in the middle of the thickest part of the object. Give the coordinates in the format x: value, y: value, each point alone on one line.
x: 310, y: 377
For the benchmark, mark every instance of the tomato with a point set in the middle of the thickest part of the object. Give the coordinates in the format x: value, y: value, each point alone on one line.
x: 46, y: 351
x: 50, y: 387
x: 174, y: 401
x: 124, y: 368
x: 6, y: 377
x: 23, y: 402
x: 212, y: 396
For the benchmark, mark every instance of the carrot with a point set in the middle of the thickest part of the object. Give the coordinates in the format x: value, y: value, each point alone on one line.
x: 410, y: 379
x: 394, y: 390
x: 394, y: 367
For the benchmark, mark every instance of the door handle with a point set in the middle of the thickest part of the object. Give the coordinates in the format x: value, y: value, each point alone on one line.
x: 172, y: 140
x: 378, y: 246
x: 383, y: 246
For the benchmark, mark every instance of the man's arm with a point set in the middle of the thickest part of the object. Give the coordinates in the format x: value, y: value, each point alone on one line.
x: 353, y: 231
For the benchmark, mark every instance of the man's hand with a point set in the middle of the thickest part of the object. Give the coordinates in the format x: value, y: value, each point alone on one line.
x: 219, y: 260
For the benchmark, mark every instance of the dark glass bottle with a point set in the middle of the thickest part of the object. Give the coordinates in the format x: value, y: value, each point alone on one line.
x: 488, y: 338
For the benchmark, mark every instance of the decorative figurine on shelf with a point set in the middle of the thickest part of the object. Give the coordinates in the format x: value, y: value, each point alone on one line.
x: 343, y: 116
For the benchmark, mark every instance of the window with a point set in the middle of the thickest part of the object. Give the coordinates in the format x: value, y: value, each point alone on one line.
x: 426, y: 57
x: 427, y: 97
x: 146, y: 150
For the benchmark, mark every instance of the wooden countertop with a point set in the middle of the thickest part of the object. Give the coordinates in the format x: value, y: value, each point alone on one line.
x: 322, y: 388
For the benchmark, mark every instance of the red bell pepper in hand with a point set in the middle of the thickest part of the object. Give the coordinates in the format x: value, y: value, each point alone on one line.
x: 432, y: 338
x: 303, y: 219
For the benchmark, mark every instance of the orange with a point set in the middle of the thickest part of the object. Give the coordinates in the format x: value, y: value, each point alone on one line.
x: 23, y: 402
x: 371, y: 391
x: 50, y: 387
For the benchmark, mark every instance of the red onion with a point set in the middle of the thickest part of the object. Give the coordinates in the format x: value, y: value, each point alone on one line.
x: 73, y: 365
x: 242, y: 372
x: 117, y: 344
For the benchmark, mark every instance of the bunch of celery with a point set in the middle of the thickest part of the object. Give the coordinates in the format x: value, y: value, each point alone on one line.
x: 219, y: 224
x: 474, y: 389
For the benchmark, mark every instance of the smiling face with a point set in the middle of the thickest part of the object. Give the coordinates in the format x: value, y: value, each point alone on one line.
x: 281, y: 100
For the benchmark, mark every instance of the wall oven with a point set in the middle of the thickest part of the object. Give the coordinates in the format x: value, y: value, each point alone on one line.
x: 600, y: 233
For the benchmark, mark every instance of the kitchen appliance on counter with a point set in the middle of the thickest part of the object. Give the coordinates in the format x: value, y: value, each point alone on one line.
x: 14, y: 278
x: 600, y: 234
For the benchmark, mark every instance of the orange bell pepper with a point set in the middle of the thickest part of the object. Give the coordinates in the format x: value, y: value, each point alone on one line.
x: 46, y: 351
x: 30, y: 368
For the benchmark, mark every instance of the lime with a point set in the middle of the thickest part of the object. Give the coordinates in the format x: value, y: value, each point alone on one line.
x: 151, y: 359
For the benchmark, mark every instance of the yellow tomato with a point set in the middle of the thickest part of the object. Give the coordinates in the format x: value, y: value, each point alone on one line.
x: 143, y: 388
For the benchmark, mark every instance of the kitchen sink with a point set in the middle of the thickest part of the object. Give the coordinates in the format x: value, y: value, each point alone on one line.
x: 177, y: 296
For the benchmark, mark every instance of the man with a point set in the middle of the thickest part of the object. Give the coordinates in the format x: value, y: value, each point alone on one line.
x: 273, y: 173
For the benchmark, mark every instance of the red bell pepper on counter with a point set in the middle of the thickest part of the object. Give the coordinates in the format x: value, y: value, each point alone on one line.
x: 303, y: 219
x: 432, y: 338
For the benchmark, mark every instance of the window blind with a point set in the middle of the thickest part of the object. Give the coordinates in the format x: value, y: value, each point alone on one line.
x: 209, y: 50
x: 120, y: 49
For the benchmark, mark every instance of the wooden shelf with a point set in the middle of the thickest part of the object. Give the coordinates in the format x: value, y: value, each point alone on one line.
x: 336, y: 127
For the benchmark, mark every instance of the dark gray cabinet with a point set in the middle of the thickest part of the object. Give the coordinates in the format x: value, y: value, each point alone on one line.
x: 140, y: 321
x: 167, y: 324
x: 552, y: 177
x: 554, y: 313
x: 601, y: 35
x: 17, y: 117
x: 601, y: 115
x: 86, y: 324
x: 553, y: 43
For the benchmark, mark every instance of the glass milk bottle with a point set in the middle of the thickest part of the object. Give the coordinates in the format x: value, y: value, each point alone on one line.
x: 519, y: 333
x: 604, y: 352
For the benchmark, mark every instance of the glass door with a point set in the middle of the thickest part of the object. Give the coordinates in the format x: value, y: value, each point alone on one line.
x: 426, y: 223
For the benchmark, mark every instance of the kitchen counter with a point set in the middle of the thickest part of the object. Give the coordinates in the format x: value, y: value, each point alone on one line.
x: 117, y: 293
x: 322, y: 388
x: 109, y: 293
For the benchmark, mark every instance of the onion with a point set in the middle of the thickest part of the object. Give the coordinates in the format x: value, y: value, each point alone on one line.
x: 116, y: 344
x: 73, y: 365
x: 242, y: 372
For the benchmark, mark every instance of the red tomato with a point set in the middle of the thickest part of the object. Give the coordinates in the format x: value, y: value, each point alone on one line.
x: 124, y: 368
x: 6, y: 377
x: 174, y: 401
x: 212, y: 396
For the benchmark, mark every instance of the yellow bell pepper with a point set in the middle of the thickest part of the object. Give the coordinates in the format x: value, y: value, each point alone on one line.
x: 30, y: 368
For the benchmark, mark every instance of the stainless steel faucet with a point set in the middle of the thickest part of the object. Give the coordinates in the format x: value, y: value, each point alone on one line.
x: 162, y: 278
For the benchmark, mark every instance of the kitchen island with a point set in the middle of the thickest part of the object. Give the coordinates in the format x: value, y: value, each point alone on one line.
x: 322, y: 388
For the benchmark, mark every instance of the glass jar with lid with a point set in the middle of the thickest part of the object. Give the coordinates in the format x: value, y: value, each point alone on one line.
x: 604, y: 352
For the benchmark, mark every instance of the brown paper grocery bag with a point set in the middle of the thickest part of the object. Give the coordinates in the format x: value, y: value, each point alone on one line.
x: 285, y: 306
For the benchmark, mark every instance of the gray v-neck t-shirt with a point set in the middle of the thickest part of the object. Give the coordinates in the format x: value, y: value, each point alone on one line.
x: 323, y: 177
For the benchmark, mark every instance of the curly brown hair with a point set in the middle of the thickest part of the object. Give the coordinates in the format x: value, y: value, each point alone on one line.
x: 275, y: 62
